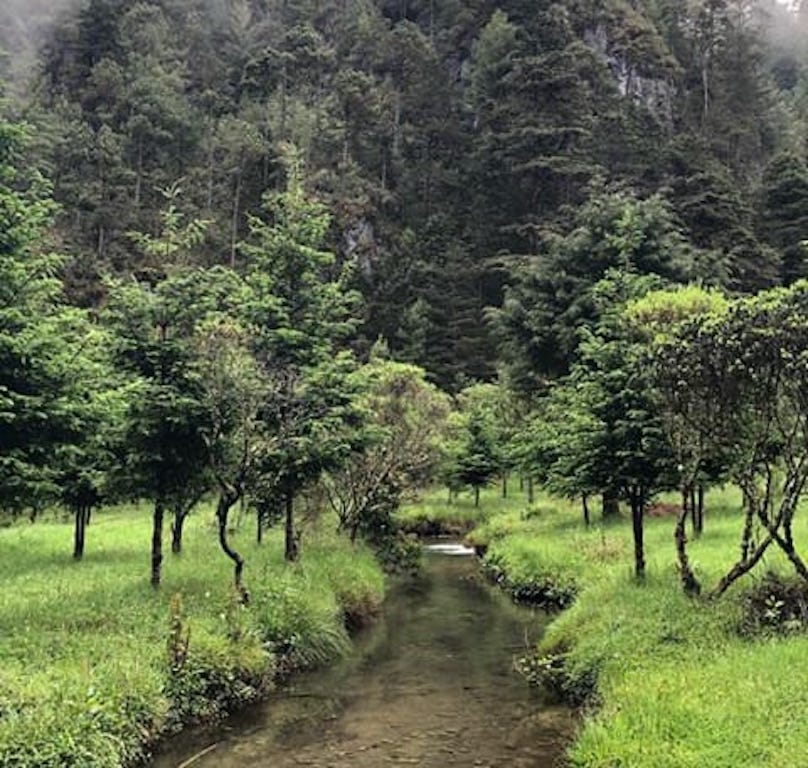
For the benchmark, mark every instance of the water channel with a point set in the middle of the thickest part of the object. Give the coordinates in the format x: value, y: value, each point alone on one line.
x: 431, y: 684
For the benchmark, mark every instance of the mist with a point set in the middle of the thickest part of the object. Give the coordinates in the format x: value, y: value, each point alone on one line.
x: 24, y: 27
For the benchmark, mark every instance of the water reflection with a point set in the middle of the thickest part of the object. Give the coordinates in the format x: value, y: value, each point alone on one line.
x: 430, y: 685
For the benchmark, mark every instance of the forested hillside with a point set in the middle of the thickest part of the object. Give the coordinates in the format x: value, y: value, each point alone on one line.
x: 453, y: 143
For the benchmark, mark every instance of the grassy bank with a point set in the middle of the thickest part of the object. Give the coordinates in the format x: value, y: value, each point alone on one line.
x: 435, y: 513
x: 86, y: 677
x: 676, y: 681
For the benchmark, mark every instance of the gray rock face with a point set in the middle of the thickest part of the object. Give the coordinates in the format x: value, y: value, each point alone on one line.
x: 654, y: 93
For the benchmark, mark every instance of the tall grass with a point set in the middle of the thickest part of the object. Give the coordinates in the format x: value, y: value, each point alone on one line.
x: 85, y: 674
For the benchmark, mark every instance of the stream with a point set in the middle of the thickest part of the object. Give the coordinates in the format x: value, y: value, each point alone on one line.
x: 431, y: 684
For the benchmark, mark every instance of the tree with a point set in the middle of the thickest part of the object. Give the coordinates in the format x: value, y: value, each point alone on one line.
x: 473, y: 453
x: 606, y: 432
x: 48, y: 351
x: 405, y: 422
x: 748, y: 363
x: 233, y: 390
x: 784, y: 215
x: 550, y: 298
x: 164, y: 444
x: 302, y: 313
x: 691, y: 417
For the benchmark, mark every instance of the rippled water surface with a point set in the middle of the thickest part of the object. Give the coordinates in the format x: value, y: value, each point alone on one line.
x: 430, y: 685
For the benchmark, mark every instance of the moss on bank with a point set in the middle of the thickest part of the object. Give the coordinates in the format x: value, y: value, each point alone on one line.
x: 86, y: 675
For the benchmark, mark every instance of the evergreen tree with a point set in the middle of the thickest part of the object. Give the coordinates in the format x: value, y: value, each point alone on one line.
x: 784, y: 214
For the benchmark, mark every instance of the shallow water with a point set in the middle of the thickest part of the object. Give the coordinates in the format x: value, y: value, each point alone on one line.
x: 430, y: 685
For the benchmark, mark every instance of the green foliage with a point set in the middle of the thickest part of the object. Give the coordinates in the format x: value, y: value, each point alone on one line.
x: 404, y: 423
x: 552, y: 296
x: 474, y: 454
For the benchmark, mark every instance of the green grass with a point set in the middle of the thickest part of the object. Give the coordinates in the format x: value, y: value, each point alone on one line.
x: 434, y: 513
x: 85, y: 678
x: 677, y: 684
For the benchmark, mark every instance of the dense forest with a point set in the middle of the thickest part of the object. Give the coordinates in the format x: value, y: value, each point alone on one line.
x: 453, y: 144
x: 304, y: 262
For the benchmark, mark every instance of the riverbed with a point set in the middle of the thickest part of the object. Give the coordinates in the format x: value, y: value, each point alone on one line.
x: 431, y: 684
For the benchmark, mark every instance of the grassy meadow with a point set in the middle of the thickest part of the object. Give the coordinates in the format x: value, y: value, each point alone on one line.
x: 678, y: 682
x: 86, y: 676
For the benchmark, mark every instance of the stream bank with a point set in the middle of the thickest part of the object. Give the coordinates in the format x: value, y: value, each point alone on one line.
x: 431, y: 684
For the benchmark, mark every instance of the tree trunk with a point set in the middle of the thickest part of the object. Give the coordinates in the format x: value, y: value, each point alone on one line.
x: 692, y: 493
x: 476, y: 496
x: 234, y: 222
x: 637, y: 525
x: 139, y: 172
x: 610, y: 506
x: 585, y: 505
x: 226, y: 501
x: 530, y: 495
x: 259, y: 526
x: 157, y: 544
x: 505, y: 485
x: 176, y: 531
x: 78, y: 537
x: 290, y: 543
x: 88, y: 513
x: 689, y: 581
x: 700, y: 511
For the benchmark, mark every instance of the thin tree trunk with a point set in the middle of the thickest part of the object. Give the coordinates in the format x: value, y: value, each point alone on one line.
x: 700, y: 511
x: 476, y: 495
x: 290, y: 543
x: 530, y: 495
x: 176, y: 530
x: 259, y: 526
x: 585, y: 506
x: 610, y: 506
x: 637, y: 526
x: 226, y: 501
x: 157, y: 544
x: 689, y: 581
x: 693, y: 519
x: 505, y: 485
x: 234, y: 223
x: 79, y: 532
x: 209, y: 201
x: 139, y: 173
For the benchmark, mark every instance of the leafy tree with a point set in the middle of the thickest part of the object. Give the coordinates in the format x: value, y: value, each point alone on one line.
x: 473, y: 453
x: 406, y: 419
x: 551, y: 297
x: 690, y: 414
x: 166, y: 416
x: 747, y: 363
x: 44, y: 345
x: 233, y: 390
x: 784, y: 220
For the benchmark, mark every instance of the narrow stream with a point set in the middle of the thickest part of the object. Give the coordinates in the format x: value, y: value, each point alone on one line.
x: 430, y: 685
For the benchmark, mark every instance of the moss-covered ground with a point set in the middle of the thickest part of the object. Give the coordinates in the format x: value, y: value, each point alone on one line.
x: 86, y: 675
